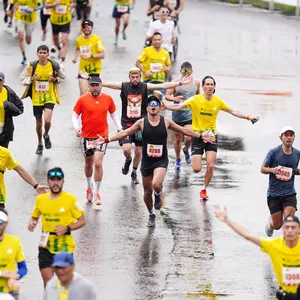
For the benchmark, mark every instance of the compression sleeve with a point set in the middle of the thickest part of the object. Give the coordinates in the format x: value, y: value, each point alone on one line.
x: 116, y: 120
x: 22, y: 268
x: 75, y: 120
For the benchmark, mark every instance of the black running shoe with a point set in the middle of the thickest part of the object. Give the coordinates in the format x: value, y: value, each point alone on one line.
x: 125, y: 169
x: 157, y: 201
x: 48, y: 144
x: 39, y: 149
x: 134, y: 178
x: 151, y: 222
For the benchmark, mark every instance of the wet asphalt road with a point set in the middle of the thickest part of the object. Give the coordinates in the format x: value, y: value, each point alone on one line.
x: 254, y: 57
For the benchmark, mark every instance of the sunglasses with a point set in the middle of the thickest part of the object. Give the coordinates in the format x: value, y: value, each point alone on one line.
x: 187, y: 70
x: 43, y: 52
x: 164, y: 11
x: 1, y: 222
x: 55, y: 174
x: 153, y: 103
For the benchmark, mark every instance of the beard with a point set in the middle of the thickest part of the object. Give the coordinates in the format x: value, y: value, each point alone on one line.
x: 55, y: 190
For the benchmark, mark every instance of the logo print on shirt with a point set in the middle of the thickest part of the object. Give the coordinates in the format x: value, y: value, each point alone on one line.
x: 62, y: 210
x: 9, y: 251
x: 134, y: 105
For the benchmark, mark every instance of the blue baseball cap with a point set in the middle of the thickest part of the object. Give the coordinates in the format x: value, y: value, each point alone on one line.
x: 62, y: 260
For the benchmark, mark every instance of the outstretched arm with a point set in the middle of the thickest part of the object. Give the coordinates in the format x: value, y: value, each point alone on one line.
x: 240, y: 115
x: 174, y: 107
x: 112, y: 85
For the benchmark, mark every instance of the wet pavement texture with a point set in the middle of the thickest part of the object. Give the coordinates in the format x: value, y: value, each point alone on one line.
x: 254, y: 57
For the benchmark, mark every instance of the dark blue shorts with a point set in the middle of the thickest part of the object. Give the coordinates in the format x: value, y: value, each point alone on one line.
x: 117, y: 15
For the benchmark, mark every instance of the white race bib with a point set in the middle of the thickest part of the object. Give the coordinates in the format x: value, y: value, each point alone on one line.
x: 89, y: 145
x: 285, y: 174
x: 41, y: 86
x: 44, y: 239
x: 47, y: 11
x: 134, y: 112
x: 291, y: 276
x: 85, y: 50
x: 155, y: 67
x: 23, y: 9
x: 154, y: 150
x: 61, y: 9
x: 122, y: 9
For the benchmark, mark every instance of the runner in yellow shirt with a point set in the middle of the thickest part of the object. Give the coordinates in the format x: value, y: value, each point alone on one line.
x: 12, y: 259
x: 205, y: 109
x: 60, y: 19
x: 90, y: 47
x: 122, y: 9
x: 284, y: 252
x: 61, y: 213
x: 25, y: 18
x: 41, y: 79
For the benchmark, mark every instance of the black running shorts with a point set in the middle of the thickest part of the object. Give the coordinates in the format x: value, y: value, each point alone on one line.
x: 198, y: 146
x: 38, y: 110
x: 277, y: 204
x: 90, y: 152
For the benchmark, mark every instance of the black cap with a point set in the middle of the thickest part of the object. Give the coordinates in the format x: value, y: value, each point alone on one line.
x: 153, y: 98
x: 2, y: 77
x: 95, y: 79
x: 186, y: 65
x: 56, y: 172
x: 291, y: 219
x: 87, y: 23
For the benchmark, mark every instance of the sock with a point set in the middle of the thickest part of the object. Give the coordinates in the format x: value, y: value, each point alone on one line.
x: 24, y: 56
x: 204, y: 187
x: 97, y: 184
x: 63, y: 59
x: 134, y: 170
x: 152, y: 212
x: 89, y: 182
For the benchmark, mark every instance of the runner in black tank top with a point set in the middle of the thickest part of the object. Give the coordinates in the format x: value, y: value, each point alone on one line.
x: 155, y: 153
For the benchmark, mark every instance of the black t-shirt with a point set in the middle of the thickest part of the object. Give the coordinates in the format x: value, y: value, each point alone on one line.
x: 134, y: 103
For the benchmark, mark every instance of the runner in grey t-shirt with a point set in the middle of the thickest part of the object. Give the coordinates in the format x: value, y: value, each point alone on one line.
x: 281, y: 163
x: 183, y: 117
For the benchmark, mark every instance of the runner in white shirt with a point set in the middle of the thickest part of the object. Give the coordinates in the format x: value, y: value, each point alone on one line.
x: 165, y: 27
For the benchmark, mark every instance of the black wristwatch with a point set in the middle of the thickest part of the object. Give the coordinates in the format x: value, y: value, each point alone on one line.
x: 36, y: 185
x: 68, y: 230
x: 200, y: 137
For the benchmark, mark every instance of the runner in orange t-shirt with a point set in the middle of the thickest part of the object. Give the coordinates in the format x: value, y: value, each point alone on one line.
x: 92, y: 109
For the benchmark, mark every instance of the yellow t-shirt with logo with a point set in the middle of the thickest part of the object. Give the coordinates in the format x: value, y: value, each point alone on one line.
x: 155, y: 61
x: 93, y: 45
x: 11, y: 253
x: 204, y: 112
x: 7, y: 161
x: 64, y: 210
x: 42, y: 89
x: 60, y: 14
x: 21, y: 10
x: 285, y: 261
x: 3, y: 97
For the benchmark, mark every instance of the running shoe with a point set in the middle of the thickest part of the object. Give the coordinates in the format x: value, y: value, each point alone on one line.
x: 5, y: 18
x: 48, y: 144
x: 97, y: 201
x: 268, y: 229
x: 124, y: 35
x: 177, y: 163
x: 127, y: 163
x: 157, y: 201
x: 89, y: 194
x: 24, y: 61
x: 116, y: 41
x: 134, y: 179
x: 187, y: 156
x: 44, y: 35
x: 203, y: 195
x: 62, y: 66
x: 39, y: 149
x: 151, y: 222
x: 53, y: 54
x: 9, y: 24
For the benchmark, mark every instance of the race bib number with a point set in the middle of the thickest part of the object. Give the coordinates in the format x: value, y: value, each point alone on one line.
x: 291, y: 276
x: 155, y: 67
x: 122, y: 9
x: 154, y: 150
x: 134, y: 112
x: 42, y: 86
x: 47, y: 11
x: 23, y: 9
x: 285, y: 174
x: 44, y: 239
x: 90, y: 145
x: 85, y: 50
x: 61, y: 9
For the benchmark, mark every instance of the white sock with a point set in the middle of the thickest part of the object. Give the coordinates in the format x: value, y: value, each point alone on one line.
x: 89, y: 182
x: 204, y: 187
x: 152, y: 212
x: 97, y: 186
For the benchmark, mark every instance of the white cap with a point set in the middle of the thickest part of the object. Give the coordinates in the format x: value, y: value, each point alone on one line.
x: 285, y: 129
x: 3, y: 216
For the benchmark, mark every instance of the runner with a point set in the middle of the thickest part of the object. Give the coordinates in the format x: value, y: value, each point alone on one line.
x: 90, y: 47
x: 61, y: 213
x: 12, y: 259
x: 154, y: 7
x: 82, y: 11
x: 44, y: 16
x: 60, y: 19
x: 205, y: 108
x: 68, y: 284
x: 122, y: 9
x: 183, y: 118
x: 11, y: 106
x: 25, y: 17
x: 154, y: 62
x: 134, y: 104
x: 7, y: 161
x: 6, y: 18
x: 41, y: 78
x: 91, y: 110
x: 281, y: 164
x: 155, y: 154
x: 178, y: 6
x: 166, y: 28
x: 283, y: 252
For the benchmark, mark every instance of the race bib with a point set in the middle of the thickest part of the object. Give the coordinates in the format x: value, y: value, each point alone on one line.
x: 85, y: 50
x: 44, y: 239
x: 47, y: 11
x: 134, y: 112
x: 154, y: 150
x: 291, y: 276
x: 155, y: 67
x: 122, y: 9
x: 285, y: 174
x: 61, y: 9
x: 23, y: 9
x: 41, y: 86
x: 90, y: 145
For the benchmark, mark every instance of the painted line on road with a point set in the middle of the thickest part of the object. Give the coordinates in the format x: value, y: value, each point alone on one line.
x: 261, y: 92
x: 266, y: 77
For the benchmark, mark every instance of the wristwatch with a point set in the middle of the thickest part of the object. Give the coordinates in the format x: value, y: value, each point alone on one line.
x: 68, y: 230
